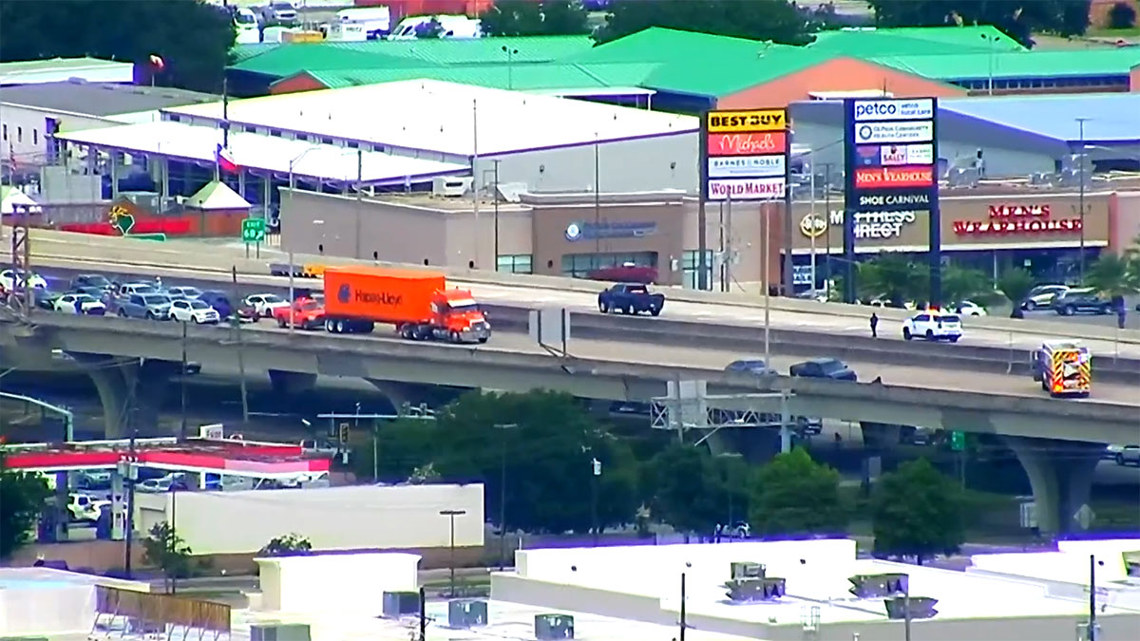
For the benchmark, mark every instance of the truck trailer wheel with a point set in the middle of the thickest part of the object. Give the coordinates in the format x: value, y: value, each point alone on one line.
x: 454, y: 337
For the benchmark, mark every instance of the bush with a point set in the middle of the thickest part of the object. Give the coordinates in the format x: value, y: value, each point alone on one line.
x: 1121, y: 16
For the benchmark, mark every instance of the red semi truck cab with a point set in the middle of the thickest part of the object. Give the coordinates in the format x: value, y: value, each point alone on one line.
x: 418, y: 304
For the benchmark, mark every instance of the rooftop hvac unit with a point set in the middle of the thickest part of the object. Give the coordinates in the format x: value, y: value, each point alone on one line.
x: 466, y: 613
x: 757, y: 589
x: 280, y: 632
x: 875, y: 586
x: 450, y: 186
x: 398, y: 604
x: 920, y: 607
x: 747, y: 570
x: 553, y: 626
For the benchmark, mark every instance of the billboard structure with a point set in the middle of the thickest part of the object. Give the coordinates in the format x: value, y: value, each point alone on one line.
x: 891, y: 154
x: 744, y: 157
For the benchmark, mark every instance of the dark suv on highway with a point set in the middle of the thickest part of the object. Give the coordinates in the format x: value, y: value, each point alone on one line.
x: 1085, y: 299
x: 832, y: 368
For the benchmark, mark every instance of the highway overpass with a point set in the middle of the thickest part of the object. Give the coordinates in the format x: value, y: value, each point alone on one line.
x: 1011, y: 406
x: 723, y: 314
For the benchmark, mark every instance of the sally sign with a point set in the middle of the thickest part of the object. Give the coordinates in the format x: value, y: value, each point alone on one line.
x: 756, y: 144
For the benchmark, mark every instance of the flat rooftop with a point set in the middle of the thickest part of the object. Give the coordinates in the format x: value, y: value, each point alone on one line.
x: 100, y: 99
x: 645, y: 582
x: 447, y: 118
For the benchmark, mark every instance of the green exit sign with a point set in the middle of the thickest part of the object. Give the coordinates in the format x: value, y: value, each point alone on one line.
x: 253, y: 230
x: 957, y: 441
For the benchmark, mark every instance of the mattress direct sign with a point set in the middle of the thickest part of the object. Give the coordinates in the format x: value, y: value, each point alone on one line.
x: 745, y: 154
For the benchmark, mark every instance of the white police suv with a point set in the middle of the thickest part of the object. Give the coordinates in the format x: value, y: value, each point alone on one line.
x: 933, y: 326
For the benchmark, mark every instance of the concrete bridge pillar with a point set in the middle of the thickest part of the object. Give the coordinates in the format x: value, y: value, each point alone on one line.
x: 291, y: 382
x: 1061, y: 474
x: 131, y: 392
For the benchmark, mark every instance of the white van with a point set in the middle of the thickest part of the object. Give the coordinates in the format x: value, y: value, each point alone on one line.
x: 245, y: 27
x: 374, y: 22
x: 453, y: 27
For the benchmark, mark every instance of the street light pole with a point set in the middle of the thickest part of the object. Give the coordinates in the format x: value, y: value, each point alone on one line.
x: 451, y: 514
x: 496, y: 162
x: 510, y: 66
x: 767, y: 211
x: 503, y: 427
x: 1081, y: 196
x: 596, y: 466
x: 683, y: 613
x: 182, y: 384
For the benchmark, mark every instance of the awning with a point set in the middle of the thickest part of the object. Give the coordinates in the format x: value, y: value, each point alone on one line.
x: 251, y: 151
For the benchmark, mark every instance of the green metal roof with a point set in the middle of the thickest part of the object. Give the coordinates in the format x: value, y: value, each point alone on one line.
x: 522, y: 77
x: 658, y: 44
x: 1024, y: 64
x: 871, y: 42
x: 247, y: 51
x: 289, y: 59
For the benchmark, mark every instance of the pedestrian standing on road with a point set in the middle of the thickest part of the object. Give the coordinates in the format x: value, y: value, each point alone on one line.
x: 874, y: 325
x: 1121, y: 316
x: 78, y: 306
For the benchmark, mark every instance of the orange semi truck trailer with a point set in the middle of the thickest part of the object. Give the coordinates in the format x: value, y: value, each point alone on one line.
x: 417, y: 303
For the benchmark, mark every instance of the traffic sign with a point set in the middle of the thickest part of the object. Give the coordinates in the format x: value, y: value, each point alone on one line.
x: 957, y: 441
x: 253, y: 230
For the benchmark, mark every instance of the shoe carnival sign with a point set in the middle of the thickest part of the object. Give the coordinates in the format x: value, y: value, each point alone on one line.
x: 1018, y: 219
x: 746, y: 188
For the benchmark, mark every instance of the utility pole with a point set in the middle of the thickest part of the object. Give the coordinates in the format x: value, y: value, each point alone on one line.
x: 596, y: 467
x: 503, y: 427
x: 173, y: 535
x: 240, y: 353
x: 1092, y: 633
x: 597, y: 202
x: 129, y: 484
x: 1081, y: 196
x: 684, y: 624
x: 359, y: 196
x: 182, y: 385
x: 496, y: 162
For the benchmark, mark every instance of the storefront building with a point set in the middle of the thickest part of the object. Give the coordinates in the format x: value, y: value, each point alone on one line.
x: 1043, y: 233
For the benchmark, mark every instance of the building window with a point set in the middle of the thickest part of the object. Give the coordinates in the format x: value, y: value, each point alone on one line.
x: 19, y: 134
x: 690, y: 268
x: 5, y: 127
x: 515, y: 264
x: 35, y: 136
x: 352, y: 144
x: 380, y: 149
x: 326, y: 140
x: 580, y: 265
x: 275, y: 132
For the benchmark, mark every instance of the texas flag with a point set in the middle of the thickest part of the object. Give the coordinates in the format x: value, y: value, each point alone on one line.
x: 226, y: 160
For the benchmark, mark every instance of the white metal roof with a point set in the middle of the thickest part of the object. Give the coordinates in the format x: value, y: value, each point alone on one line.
x: 441, y: 117
x: 262, y: 152
x: 816, y: 574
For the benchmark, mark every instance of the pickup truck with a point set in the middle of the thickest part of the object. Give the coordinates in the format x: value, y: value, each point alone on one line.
x: 148, y: 306
x: 307, y: 313
x: 630, y: 298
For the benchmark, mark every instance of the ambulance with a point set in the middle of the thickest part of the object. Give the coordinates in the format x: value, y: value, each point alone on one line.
x: 1064, y: 368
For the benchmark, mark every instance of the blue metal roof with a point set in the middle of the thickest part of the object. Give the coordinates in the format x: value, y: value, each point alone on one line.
x: 1111, y: 117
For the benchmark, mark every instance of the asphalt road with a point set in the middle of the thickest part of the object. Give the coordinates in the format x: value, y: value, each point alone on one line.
x: 708, y: 314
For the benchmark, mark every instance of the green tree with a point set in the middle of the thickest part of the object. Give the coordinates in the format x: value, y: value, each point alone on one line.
x: 549, y: 458
x: 893, y: 276
x: 776, y: 20
x: 193, y: 38
x: 1015, y: 283
x: 165, y: 550
x: 917, y: 512
x: 530, y: 18
x: 960, y: 284
x: 794, y: 495
x: 287, y: 545
x: 22, y: 496
x: 1017, y: 19
x: 694, y: 491
x: 1114, y: 275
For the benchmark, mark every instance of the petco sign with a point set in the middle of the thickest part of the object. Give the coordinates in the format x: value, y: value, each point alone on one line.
x: 919, y: 109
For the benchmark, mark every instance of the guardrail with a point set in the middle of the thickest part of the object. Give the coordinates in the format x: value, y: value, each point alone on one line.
x: 750, y: 342
x: 151, y: 258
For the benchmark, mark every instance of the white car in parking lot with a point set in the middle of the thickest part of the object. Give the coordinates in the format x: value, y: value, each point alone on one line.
x: 193, y: 311
x: 11, y: 280
x: 933, y: 326
x: 264, y: 304
x: 89, y: 304
x: 969, y: 308
x: 1125, y: 455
